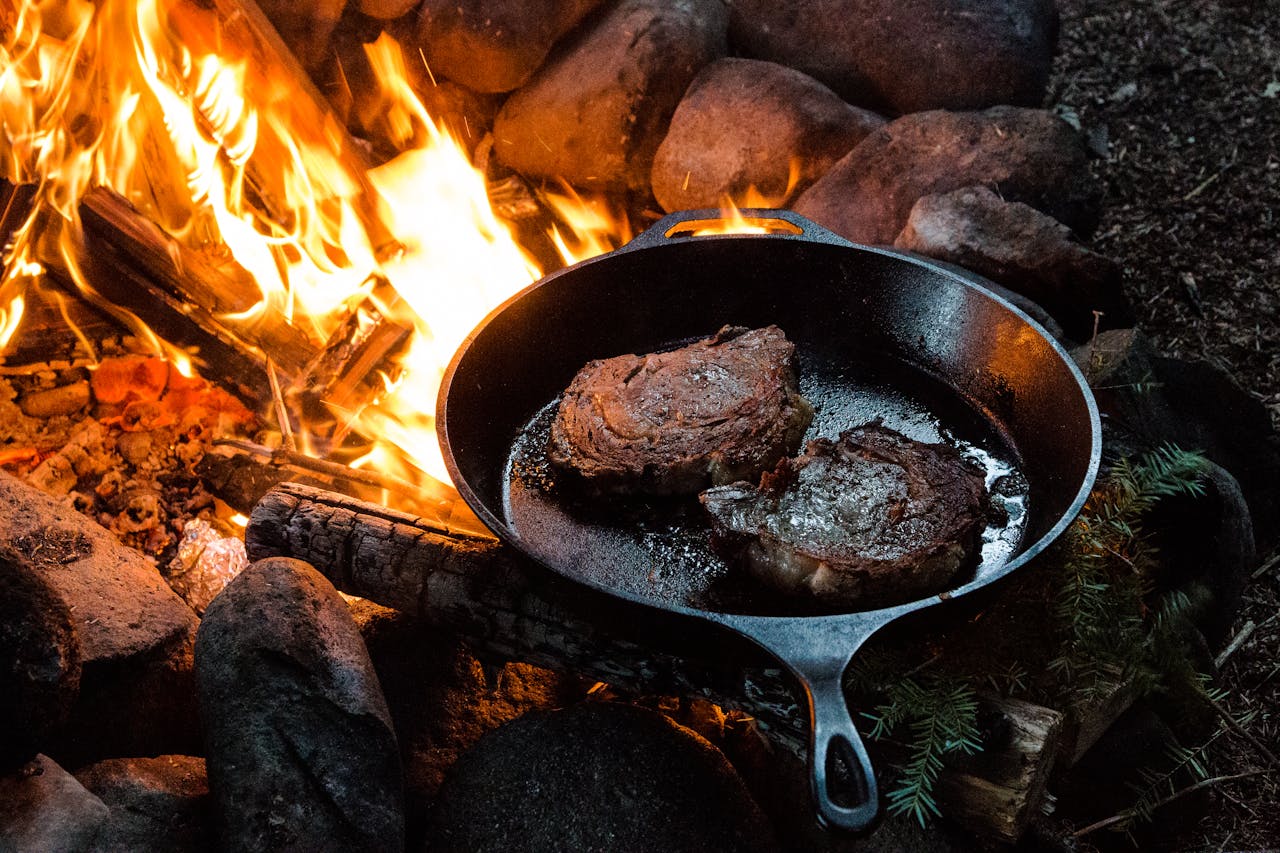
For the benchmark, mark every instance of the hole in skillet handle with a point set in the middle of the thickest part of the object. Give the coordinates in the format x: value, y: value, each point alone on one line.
x: 732, y: 225
x: 769, y: 222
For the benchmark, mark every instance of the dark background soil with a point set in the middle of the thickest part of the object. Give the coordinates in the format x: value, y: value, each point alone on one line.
x: 1181, y: 100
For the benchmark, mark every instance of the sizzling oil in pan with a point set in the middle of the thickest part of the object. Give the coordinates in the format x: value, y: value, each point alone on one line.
x: 659, y: 549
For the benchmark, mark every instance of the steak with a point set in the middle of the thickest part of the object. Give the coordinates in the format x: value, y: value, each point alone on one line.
x: 723, y: 409
x: 872, y: 518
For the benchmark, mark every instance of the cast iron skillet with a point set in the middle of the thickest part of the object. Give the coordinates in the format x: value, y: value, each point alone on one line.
x: 878, y: 333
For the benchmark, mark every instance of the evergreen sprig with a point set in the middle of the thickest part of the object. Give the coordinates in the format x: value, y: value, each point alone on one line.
x: 940, y: 715
x: 1157, y: 787
x: 1110, y: 632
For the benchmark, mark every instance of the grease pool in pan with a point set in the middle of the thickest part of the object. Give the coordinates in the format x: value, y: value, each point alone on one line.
x: 659, y: 549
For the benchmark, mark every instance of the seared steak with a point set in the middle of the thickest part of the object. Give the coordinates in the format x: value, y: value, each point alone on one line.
x: 723, y: 409
x: 872, y: 518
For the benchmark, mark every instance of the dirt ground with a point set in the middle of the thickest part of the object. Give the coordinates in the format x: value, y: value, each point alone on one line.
x: 1182, y: 100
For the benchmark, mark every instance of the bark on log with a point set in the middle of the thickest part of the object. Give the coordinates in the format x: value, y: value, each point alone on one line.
x: 508, y: 608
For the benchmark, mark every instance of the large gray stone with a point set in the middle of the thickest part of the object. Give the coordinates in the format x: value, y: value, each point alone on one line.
x: 144, y: 707
x: 43, y: 809
x: 160, y: 804
x: 744, y: 123
x: 134, y: 633
x: 492, y: 45
x: 301, y: 754
x: 39, y: 664
x: 1024, y: 250
x: 1028, y: 156
x: 908, y: 55
x: 596, y: 112
x: 596, y: 776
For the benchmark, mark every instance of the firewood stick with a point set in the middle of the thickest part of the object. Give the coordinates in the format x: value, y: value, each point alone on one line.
x: 502, y: 604
x: 197, y: 287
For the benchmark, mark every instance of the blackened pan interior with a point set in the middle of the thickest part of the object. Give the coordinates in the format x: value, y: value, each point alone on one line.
x: 930, y: 350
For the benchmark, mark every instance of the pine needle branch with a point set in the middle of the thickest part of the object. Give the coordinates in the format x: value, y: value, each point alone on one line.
x: 1128, y: 814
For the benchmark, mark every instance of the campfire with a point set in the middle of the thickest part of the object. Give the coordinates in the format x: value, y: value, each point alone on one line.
x: 243, y: 245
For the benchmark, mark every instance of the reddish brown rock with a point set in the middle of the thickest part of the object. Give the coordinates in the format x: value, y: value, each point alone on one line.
x: 386, y: 10
x: 305, y: 26
x: 1022, y: 249
x: 301, y: 754
x: 492, y: 45
x: 597, y: 111
x: 373, y: 113
x: 43, y: 809
x: 122, y: 605
x: 133, y: 632
x: 908, y: 55
x: 1029, y: 156
x: 156, y: 804
x: 745, y: 123
x: 143, y: 706
x: 598, y: 776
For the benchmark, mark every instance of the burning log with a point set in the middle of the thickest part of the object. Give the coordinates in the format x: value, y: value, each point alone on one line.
x: 179, y: 290
x: 508, y: 608
x: 181, y: 294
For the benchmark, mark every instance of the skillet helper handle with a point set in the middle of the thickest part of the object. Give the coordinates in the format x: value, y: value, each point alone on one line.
x: 841, y: 779
x: 778, y: 224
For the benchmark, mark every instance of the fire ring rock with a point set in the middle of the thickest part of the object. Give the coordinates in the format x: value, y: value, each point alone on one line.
x: 908, y: 55
x: 43, y: 809
x: 39, y: 663
x: 492, y: 45
x: 596, y: 112
x: 159, y: 803
x: 1022, y: 249
x: 1028, y: 156
x: 598, y: 776
x: 743, y: 123
x: 301, y: 754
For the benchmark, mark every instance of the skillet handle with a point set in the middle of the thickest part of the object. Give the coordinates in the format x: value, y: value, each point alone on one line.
x: 779, y: 224
x: 841, y: 779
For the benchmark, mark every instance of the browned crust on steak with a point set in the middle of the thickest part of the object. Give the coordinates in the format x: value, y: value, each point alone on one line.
x: 872, y: 518
x: 723, y: 409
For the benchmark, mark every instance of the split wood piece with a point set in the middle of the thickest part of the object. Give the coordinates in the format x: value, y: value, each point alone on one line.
x: 1004, y: 789
x: 182, y: 296
x: 507, y: 607
x: 49, y: 321
x: 1088, y: 720
x: 241, y: 473
x: 348, y: 372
